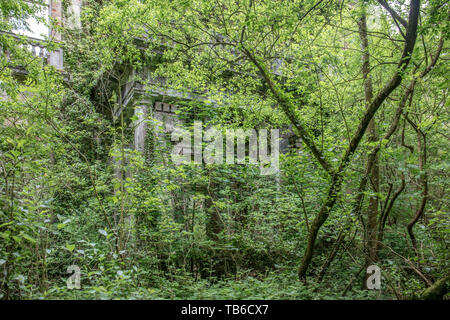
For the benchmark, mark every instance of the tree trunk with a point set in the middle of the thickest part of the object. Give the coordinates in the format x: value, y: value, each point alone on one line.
x: 438, y: 290
x: 371, y: 246
x: 422, y: 151
x: 337, y: 175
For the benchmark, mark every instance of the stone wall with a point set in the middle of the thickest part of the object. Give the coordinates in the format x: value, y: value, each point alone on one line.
x: 72, y: 19
x: 56, y: 57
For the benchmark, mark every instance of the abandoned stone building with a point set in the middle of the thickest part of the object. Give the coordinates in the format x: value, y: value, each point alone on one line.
x: 141, y: 95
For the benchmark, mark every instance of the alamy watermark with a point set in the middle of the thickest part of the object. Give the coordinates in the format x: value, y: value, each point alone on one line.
x: 213, y: 153
x: 74, y: 281
x: 374, y: 279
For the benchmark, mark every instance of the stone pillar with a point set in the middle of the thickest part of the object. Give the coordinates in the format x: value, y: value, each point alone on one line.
x: 140, y: 129
x: 73, y: 16
x: 55, y: 58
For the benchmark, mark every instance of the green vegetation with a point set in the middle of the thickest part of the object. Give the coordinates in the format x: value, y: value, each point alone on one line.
x: 359, y: 89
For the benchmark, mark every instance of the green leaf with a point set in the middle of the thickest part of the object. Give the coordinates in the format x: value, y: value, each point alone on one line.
x: 27, y: 237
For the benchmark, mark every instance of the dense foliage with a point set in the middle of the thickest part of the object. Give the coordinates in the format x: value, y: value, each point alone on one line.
x: 359, y: 87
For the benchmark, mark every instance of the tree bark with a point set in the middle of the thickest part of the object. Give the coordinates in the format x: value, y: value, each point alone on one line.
x: 438, y: 290
x: 371, y: 246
